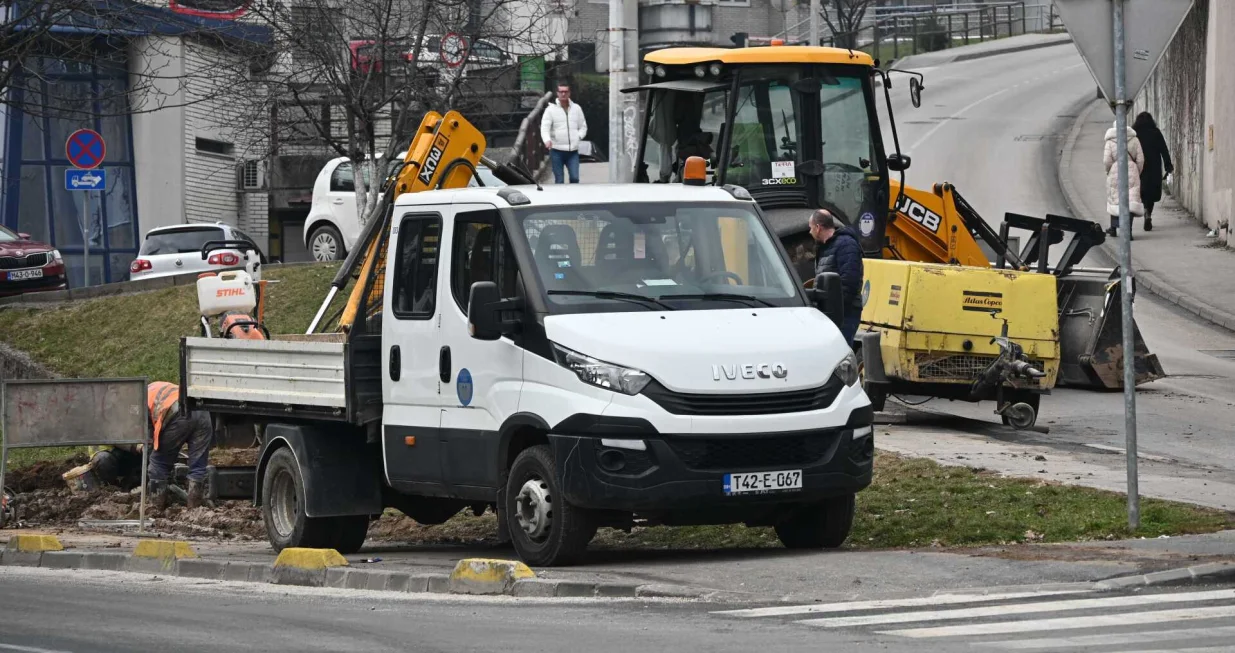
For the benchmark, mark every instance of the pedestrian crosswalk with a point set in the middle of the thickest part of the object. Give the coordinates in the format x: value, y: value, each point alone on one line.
x: 1191, y: 620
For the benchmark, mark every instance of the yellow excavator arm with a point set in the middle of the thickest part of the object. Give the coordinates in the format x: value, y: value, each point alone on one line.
x: 927, y: 227
x: 444, y: 153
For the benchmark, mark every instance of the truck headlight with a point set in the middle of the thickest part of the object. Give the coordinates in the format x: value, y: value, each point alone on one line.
x: 601, y: 374
x: 847, y: 369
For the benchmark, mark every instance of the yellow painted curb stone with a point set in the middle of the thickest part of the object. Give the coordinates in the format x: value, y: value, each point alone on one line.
x: 487, y: 575
x: 309, y: 559
x: 31, y: 543
x: 164, y: 550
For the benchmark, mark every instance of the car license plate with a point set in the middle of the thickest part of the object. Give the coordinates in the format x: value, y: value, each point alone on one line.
x: 22, y: 275
x: 762, y: 482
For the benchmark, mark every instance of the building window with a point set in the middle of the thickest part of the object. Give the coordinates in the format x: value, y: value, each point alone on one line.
x: 211, y: 146
x: 50, y: 98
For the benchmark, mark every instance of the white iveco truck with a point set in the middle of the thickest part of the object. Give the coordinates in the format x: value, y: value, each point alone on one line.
x: 573, y: 357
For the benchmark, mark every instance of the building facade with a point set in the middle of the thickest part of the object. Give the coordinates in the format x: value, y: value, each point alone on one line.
x: 167, y: 161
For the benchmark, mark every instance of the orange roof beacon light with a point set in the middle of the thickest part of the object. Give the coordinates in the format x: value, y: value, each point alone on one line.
x: 696, y: 171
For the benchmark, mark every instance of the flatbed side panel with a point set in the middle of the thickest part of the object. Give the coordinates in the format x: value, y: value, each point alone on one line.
x: 310, y: 374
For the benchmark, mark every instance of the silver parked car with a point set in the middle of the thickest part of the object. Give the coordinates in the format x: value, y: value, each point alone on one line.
x: 173, y: 250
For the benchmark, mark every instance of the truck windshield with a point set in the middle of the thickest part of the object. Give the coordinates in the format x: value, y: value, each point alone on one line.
x: 655, y: 256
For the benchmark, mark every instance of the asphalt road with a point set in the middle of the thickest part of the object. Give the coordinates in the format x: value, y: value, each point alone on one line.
x: 50, y: 611
x: 995, y: 127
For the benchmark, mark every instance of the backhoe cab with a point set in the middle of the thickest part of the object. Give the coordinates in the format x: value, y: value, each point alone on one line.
x: 796, y: 126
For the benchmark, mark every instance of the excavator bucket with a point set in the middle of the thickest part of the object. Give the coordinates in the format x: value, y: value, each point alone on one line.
x: 1091, y: 334
x: 1090, y: 316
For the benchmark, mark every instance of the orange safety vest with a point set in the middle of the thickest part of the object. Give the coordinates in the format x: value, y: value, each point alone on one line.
x: 161, y: 399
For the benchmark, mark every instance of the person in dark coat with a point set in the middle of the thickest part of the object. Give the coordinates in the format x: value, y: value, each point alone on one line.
x: 1157, y: 159
x: 840, y: 252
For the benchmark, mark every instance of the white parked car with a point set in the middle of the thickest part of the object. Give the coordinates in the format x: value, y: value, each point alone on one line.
x: 168, y: 251
x: 333, y: 226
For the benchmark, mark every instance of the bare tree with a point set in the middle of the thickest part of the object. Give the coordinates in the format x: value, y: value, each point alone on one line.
x: 354, y: 77
x: 844, y: 18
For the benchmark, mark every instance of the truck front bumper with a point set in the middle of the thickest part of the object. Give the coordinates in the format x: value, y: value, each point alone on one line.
x: 676, y: 473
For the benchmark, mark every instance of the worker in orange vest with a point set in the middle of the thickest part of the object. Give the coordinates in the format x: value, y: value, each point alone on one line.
x: 172, y: 430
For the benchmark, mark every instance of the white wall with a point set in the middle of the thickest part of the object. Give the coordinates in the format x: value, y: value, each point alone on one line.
x: 1218, y: 145
x: 156, y: 65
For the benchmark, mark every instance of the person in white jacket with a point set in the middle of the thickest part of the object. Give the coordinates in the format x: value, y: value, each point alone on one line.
x: 1136, y: 161
x: 563, y: 127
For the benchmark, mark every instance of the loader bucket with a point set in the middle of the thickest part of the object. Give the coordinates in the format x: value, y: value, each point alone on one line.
x: 1091, y: 337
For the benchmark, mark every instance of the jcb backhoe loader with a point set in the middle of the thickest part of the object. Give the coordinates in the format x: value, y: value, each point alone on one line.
x: 797, y: 127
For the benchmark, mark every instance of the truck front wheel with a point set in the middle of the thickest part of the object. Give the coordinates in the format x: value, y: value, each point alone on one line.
x: 544, y: 528
x: 823, y: 525
x: 283, y: 510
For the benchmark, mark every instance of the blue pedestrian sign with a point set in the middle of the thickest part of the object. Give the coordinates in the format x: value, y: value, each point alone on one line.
x: 85, y: 179
x: 85, y: 149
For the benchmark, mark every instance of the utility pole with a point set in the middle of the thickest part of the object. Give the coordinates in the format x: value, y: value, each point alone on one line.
x: 1102, y: 30
x: 623, y: 73
x: 1125, y: 265
x: 814, y: 22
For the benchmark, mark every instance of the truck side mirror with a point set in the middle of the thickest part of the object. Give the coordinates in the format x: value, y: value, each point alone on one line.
x: 485, y: 308
x: 899, y: 162
x: 829, y: 296
x: 482, y: 313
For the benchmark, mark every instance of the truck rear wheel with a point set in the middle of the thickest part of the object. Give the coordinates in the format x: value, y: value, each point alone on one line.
x: 283, y: 510
x: 823, y: 525
x: 544, y: 528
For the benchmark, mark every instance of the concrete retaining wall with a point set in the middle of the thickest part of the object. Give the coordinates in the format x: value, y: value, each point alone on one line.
x: 1175, y: 95
x: 18, y: 366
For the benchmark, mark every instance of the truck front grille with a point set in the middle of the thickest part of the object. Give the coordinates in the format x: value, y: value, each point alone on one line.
x: 735, y: 454
x: 764, y: 403
x: 967, y: 367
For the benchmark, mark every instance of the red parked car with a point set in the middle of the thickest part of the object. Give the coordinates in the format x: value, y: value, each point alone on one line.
x: 29, y: 266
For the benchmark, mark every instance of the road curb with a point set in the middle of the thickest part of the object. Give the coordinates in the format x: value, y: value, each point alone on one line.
x: 346, y: 577
x: 1141, y: 278
x: 1207, y: 573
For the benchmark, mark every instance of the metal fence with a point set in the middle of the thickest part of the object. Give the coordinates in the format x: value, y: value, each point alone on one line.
x: 890, y: 33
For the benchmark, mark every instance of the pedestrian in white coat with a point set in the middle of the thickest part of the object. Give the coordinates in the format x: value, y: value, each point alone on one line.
x: 562, y: 126
x: 1136, y: 161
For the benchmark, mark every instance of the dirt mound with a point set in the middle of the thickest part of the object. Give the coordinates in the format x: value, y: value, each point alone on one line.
x: 63, y: 508
x: 463, y: 528
x: 42, y: 476
x: 233, y: 457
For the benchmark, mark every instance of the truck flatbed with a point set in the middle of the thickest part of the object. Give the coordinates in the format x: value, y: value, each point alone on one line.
x: 318, y: 376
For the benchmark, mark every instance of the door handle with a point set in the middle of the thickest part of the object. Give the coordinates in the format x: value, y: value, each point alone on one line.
x: 443, y: 364
x: 396, y: 363
x: 338, y: 200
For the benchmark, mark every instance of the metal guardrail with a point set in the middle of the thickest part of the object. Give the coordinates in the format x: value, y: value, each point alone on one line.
x: 894, y: 32
x: 529, y: 148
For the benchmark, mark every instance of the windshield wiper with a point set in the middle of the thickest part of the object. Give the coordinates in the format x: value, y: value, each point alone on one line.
x: 609, y: 294
x: 722, y: 295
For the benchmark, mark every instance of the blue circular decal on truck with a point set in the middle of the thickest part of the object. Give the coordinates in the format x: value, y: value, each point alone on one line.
x: 866, y: 292
x: 464, y: 385
x: 867, y: 224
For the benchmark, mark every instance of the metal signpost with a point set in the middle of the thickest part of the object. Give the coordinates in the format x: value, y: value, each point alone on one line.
x: 86, y: 150
x: 73, y: 413
x: 1103, y: 30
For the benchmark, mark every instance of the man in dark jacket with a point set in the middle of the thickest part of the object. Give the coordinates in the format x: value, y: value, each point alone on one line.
x: 840, y: 252
x: 1157, y: 157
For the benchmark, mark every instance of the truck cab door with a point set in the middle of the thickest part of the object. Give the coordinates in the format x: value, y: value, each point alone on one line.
x: 485, y: 377
x: 411, y: 343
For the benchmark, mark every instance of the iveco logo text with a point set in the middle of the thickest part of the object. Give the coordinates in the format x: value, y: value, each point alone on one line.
x: 762, y: 371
